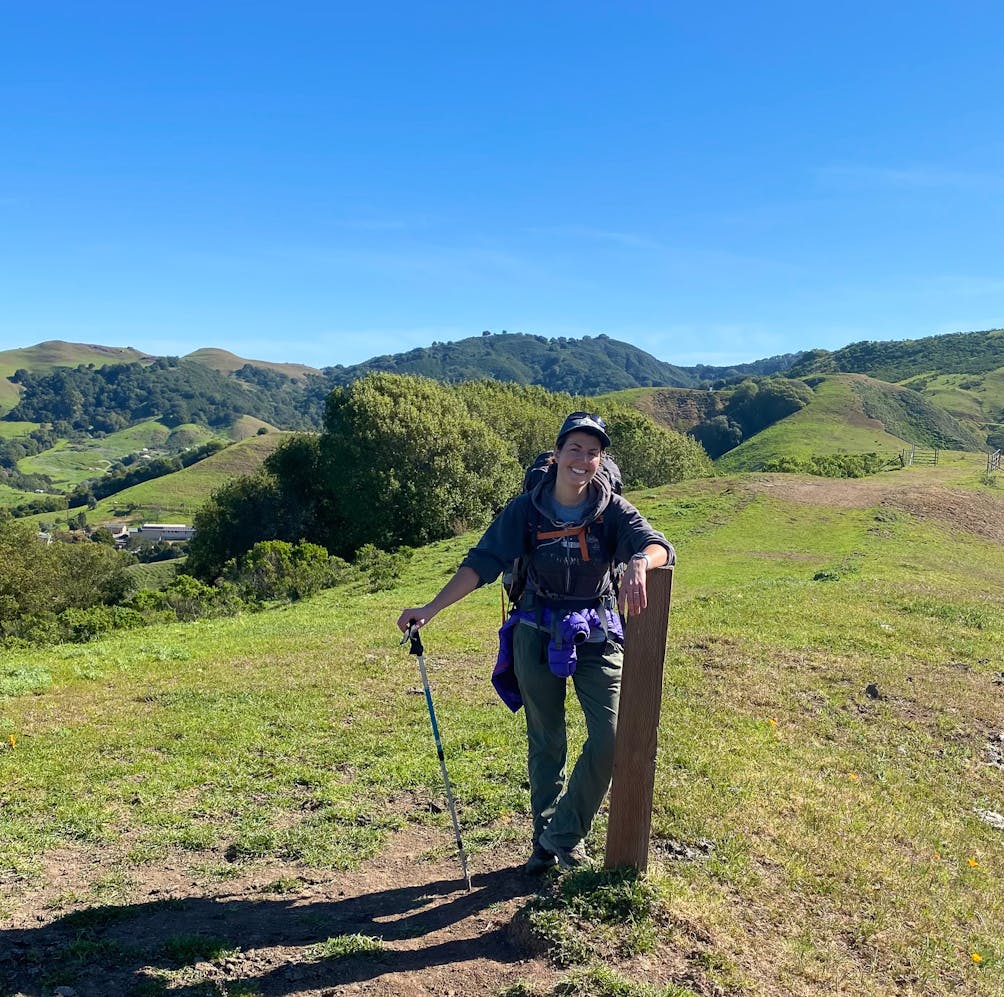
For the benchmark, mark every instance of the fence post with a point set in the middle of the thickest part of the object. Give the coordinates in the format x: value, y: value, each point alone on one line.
x: 633, y: 785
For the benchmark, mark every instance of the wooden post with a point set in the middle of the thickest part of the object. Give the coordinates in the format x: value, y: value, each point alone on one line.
x: 633, y: 783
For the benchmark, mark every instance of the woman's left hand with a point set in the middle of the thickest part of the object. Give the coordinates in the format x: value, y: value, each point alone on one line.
x: 633, y: 596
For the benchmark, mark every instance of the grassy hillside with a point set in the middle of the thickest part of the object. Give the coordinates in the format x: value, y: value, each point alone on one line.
x: 976, y: 400
x: 56, y: 353
x: 907, y: 414
x: 13, y: 496
x: 829, y: 740
x: 174, y: 498
x: 10, y: 430
x: 834, y: 421
x: 248, y: 425
x: 680, y: 408
x: 676, y: 408
x: 69, y: 463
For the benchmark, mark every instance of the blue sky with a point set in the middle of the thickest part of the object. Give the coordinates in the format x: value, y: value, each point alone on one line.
x: 325, y: 182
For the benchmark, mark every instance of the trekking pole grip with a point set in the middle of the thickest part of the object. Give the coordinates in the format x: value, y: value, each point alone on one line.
x: 413, y: 634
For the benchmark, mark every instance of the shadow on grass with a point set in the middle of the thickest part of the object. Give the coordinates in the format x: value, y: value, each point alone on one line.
x: 258, y: 946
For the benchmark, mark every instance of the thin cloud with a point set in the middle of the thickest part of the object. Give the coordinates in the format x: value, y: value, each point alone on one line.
x: 967, y: 285
x: 629, y: 240
x: 858, y: 176
x: 683, y: 261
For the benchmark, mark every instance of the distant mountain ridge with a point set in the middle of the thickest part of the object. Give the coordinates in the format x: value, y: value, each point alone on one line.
x: 899, y: 360
x: 962, y: 373
x: 587, y: 366
x: 592, y: 365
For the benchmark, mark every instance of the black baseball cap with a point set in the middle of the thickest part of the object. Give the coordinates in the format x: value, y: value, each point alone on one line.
x: 584, y: 422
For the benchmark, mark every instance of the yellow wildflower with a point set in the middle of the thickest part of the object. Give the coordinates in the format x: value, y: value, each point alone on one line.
x: 973, y: 864
x: 854, y: 777
x: 13, y: 740
x: 977, y: 958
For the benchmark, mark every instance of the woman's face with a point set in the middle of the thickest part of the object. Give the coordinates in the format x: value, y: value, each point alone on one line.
x: 579, y: 458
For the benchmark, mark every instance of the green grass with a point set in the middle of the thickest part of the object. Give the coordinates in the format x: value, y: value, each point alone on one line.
x: 9, y: 394
x: 845, y: 853
x: 154, y: 575
x: 977, y: 400
x: 342, y: 946
x: 174, y: 498
x: 14, y: 496
x: 69, y: 463
x: 11, y: 430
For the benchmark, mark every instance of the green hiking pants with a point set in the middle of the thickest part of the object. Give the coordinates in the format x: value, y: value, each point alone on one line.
x: 566, y: 807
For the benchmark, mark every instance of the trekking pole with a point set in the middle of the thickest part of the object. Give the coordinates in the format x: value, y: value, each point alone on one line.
x: 416, y: 648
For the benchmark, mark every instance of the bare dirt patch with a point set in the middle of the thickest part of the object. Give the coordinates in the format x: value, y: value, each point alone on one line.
x: 972, y: 512
x: 266, y: 923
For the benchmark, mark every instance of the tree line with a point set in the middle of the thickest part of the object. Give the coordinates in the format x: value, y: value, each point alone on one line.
x: 953, y: 353
x: 403, y: 461
x: 592, y: 365
x: 747, y: 409
x: 88, y: 398
x: 72, y: 590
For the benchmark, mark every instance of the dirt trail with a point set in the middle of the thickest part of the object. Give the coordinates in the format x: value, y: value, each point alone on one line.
x: 980, y: 513
x: 437, y: 937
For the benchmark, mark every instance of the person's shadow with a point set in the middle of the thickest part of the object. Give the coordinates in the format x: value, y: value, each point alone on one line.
x: 110, y: 950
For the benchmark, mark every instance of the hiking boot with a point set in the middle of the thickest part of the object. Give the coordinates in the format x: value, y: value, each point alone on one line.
x: 540, y: 860
x: 568, y: 858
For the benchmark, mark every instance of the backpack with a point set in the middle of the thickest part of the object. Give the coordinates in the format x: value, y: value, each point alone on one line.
x: 515, y: 577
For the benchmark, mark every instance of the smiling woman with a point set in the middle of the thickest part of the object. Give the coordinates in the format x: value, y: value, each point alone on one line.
x: 571, y: 529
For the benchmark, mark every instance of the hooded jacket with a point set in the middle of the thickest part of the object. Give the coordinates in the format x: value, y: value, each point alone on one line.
x: 568, y: 564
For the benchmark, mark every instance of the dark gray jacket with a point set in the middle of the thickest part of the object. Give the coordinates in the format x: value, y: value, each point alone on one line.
x: 573, y: 568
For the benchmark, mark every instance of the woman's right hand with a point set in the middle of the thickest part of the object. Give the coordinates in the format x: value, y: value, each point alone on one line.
x: 417, y: 617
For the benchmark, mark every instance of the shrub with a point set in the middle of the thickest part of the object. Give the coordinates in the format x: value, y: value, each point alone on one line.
x: 275, y: 569
x: 828, y: 465
x: 650, y: 455
x: 404, y: 463
x: 381, y: 569
x: 191, y: 599
x: 81, y: 625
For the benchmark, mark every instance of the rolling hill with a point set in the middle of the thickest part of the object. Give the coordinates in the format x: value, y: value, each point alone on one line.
x: 962, y: 372
x: 55, y: 353
x: 942, y: 391
x: 69, y: 463
x: 846, y: 414
x: 833, y: 422
x: 175, y: 497
x: 226, y: 363
x: 591, y: 365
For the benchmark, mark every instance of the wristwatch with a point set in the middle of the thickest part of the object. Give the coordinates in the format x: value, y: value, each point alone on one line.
x: 642, y: 557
